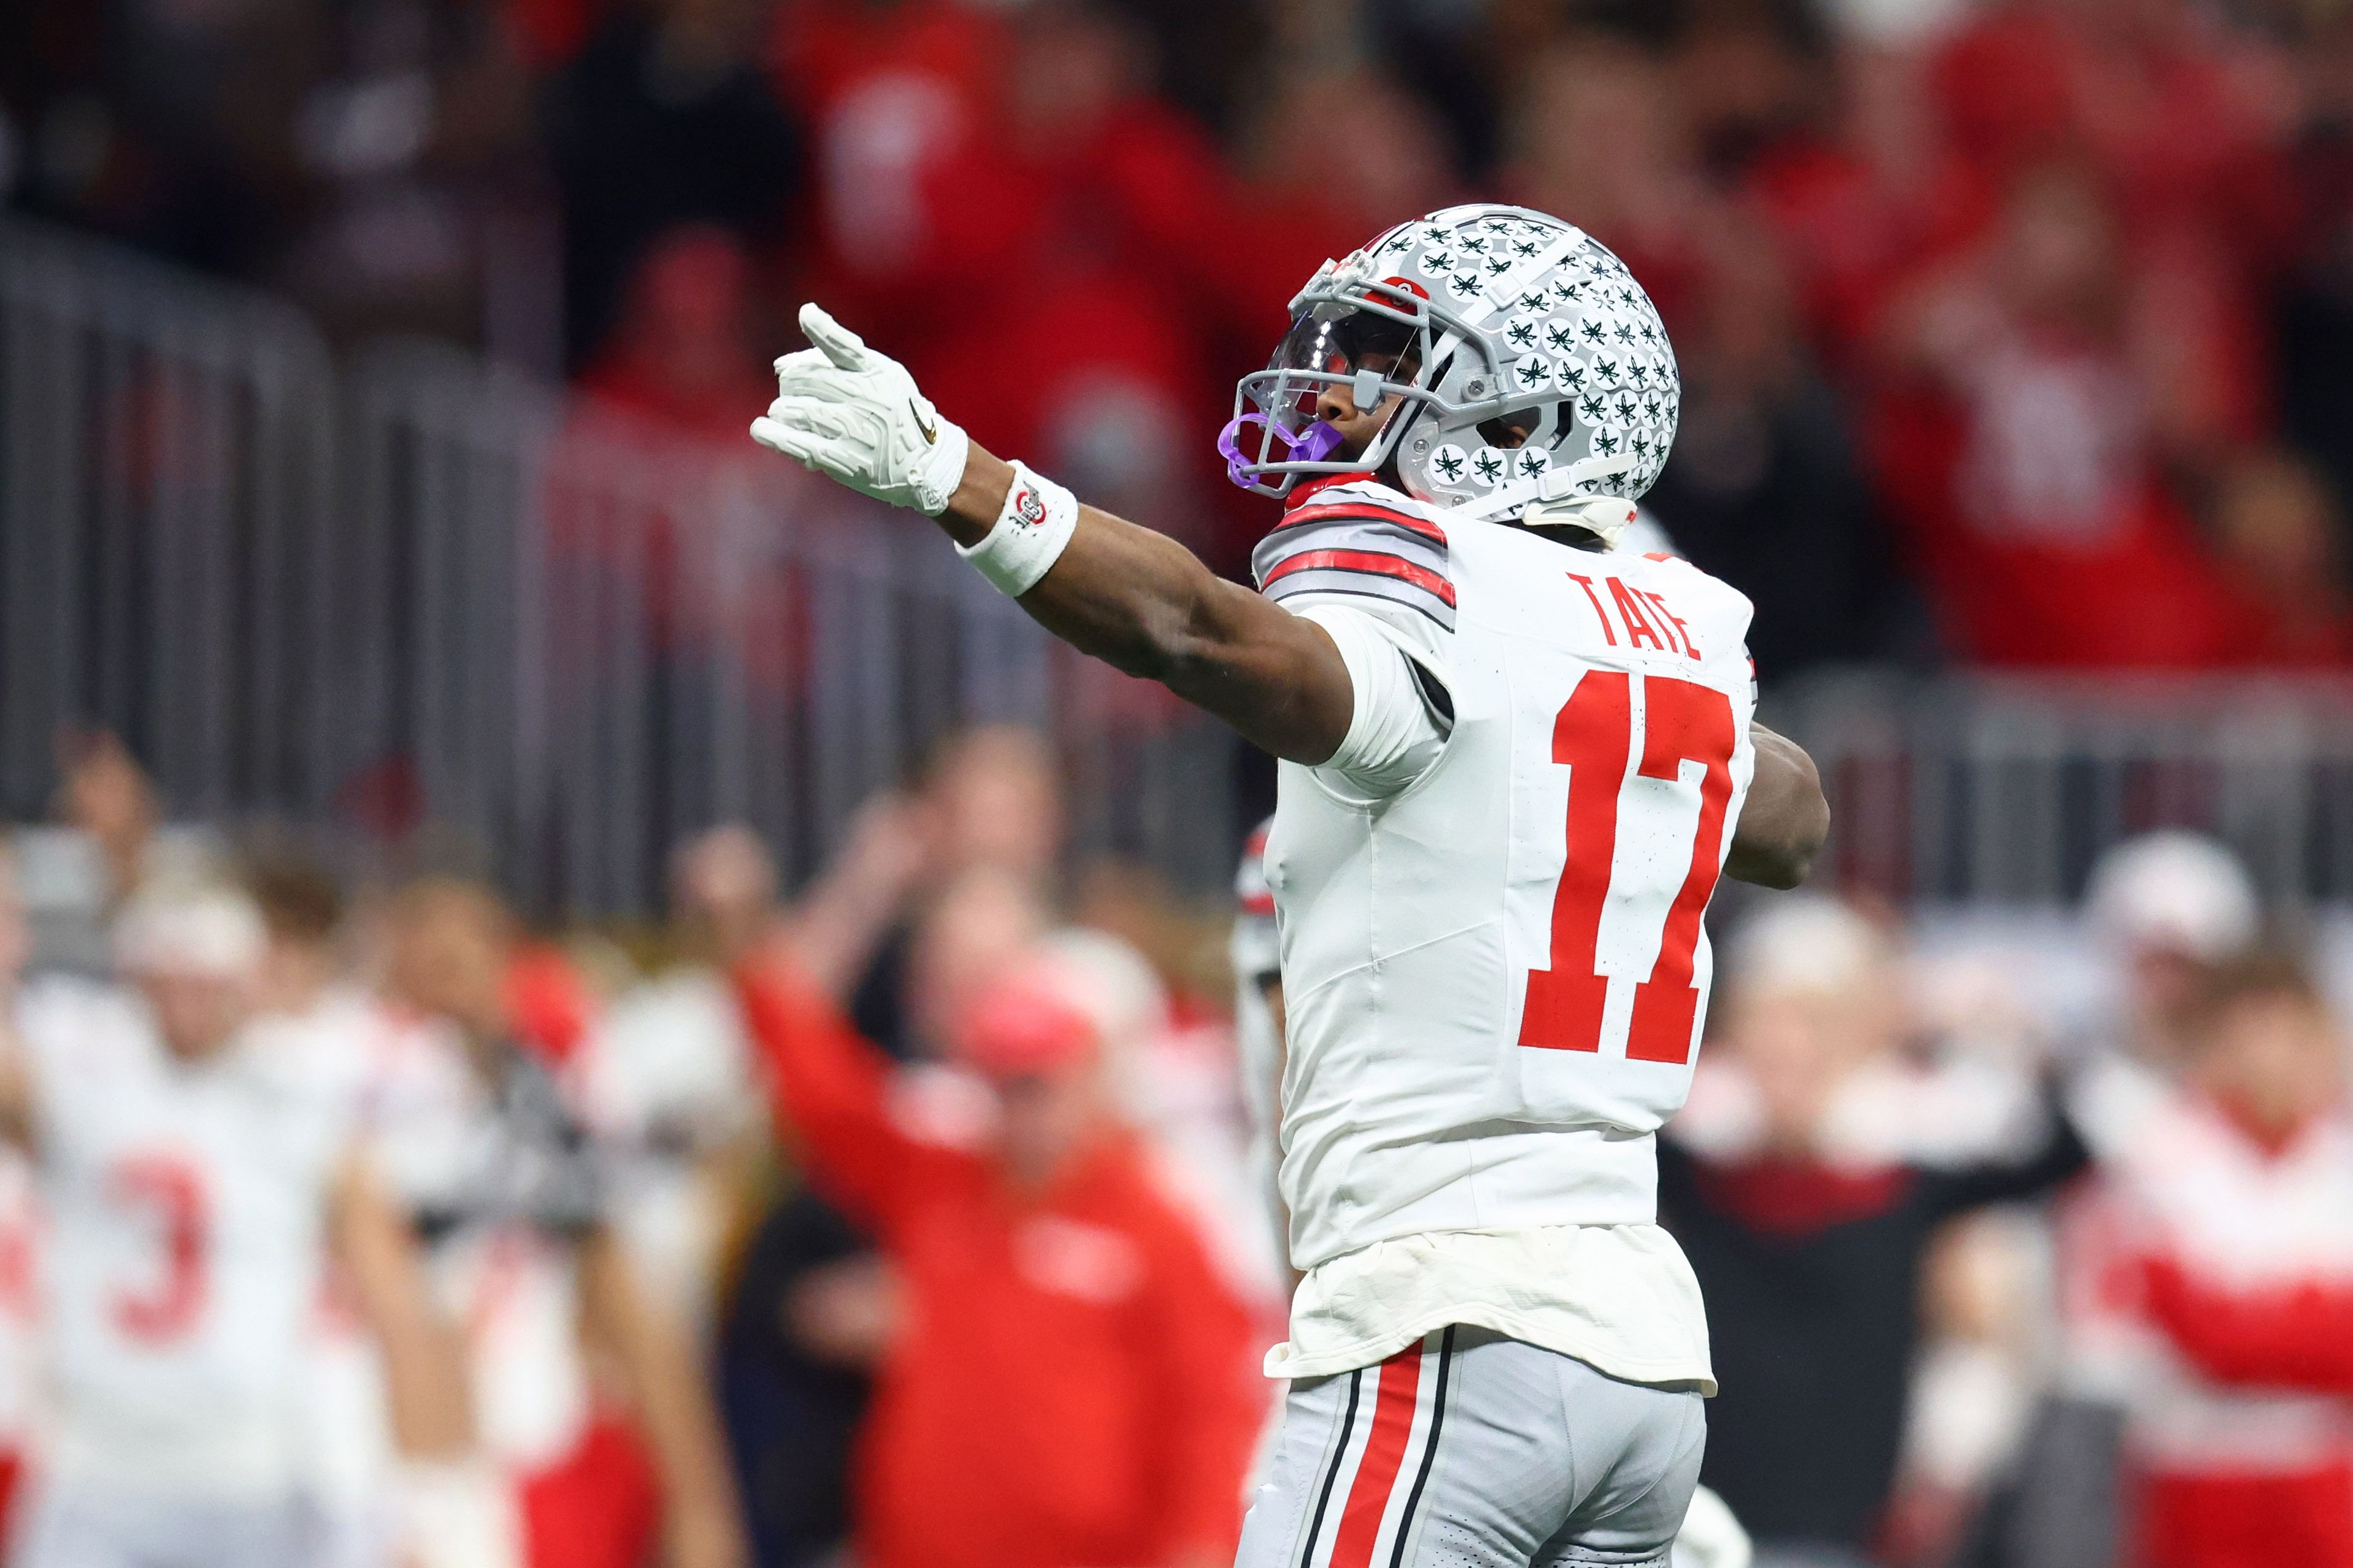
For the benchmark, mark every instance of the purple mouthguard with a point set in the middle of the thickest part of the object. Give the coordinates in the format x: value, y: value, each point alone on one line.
x: 1312, y: 445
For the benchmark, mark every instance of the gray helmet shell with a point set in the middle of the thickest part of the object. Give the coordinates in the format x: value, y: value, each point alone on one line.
x: 1529, y: 327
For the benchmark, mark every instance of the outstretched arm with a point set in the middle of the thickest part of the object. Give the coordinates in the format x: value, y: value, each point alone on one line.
x: 1134, y: 599
x: 1786, y: 818
x: 1144, y: 603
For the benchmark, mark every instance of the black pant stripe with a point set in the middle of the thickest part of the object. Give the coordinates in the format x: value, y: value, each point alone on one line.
x: 1428, y: 1450
x: 1332, y: 1472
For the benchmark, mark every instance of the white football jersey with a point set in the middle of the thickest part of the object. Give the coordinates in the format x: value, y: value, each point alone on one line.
x: 502, y: 1187
x: 185, y: 1243
x: 1495, y: 976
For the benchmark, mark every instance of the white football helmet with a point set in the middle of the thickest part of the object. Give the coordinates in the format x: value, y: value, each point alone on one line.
x: 1530, y: 366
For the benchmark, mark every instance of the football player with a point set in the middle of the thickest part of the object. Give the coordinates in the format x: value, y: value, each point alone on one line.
x: 1516, y: 758
x: 197, y: 1176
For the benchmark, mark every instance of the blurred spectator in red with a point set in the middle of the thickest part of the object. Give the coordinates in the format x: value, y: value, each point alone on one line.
x: 1601, y: 139
x: 2281, y: 538
x: 908, y: 202
x: 2050, y: 378
x: 1311, y: 194
x: 2182, y: 113
x: 813, y: 1304
x: 1068, y: 1380
x: 987, y: 828
x: 2221, y: 1296
x: 665, y: 119
x: 679, y: 354
x: 1864, y: 193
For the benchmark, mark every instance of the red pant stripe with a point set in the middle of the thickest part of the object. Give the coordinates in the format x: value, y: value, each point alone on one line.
x: 1377, y: 1473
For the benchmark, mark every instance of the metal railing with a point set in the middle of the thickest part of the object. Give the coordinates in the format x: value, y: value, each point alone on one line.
x: 2007, y: 789
x: 166, y: 454
x: 415, y: 586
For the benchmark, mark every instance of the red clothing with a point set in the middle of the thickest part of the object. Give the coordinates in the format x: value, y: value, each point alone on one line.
x: 2120, y: 582
x: 1073, y: 1386
x: 2295, y: 1336
x: 2210, y: 1278
x: 597, y: 1507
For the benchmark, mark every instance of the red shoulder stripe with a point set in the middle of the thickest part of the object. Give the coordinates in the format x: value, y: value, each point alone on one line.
x: 1359, y: 512
x: 1422, y: 577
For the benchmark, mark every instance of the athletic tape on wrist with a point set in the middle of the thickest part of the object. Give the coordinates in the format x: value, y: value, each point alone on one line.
x: 1033, y: 529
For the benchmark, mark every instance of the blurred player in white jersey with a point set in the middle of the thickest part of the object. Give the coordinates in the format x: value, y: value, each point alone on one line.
x: 482, y: 1139
x: 198, y: 1173
x: 1516, y: 758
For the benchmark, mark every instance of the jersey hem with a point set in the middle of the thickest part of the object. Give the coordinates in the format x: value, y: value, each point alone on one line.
x: 1283, y: 1363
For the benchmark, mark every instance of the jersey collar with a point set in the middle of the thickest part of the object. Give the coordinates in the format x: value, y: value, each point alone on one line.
x: 1300, y: 493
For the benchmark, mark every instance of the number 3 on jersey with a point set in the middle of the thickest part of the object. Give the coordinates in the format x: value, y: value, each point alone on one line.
x: 172, y: 1191
x: 1682, y: 723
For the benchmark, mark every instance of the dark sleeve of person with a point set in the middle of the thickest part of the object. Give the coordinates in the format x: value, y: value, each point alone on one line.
x: 2059, y: 1158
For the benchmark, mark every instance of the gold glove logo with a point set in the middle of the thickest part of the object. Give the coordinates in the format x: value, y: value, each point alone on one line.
x: 923, y: 423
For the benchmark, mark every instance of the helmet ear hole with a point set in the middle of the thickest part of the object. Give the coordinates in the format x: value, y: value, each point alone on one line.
x: 1509, y: 431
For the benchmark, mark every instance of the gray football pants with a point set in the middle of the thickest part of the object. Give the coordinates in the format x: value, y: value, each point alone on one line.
x: 1472, y: 1450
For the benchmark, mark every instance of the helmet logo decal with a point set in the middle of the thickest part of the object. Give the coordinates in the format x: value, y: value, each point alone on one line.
x: 1449, y: 463
x: 1436, y: 263
x: 1520, y: 332
x: 1533, y: 461
x: 1559, y: 337
x: 1490, y: 466
x: 1532, y: 373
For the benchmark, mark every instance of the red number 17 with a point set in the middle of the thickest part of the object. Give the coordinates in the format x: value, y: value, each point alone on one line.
x: 1681, y: 722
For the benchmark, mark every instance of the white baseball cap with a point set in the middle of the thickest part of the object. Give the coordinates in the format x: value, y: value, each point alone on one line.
x: 203, y: 931
x: 2176, y: 891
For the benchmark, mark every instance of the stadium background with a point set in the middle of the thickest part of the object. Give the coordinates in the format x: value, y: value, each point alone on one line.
x: 372, y: 378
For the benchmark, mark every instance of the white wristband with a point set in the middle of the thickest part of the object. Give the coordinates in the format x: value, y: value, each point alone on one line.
x: 1031, y: 533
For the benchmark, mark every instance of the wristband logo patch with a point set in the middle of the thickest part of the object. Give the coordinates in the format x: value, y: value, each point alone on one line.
x: 1030, y: 506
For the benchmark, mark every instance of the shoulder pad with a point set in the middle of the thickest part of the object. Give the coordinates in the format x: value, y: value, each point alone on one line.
x: 1363, y: 539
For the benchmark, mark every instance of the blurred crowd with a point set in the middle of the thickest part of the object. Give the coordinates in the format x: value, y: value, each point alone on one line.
x: 927, y: 1216
x: 2016, y: 331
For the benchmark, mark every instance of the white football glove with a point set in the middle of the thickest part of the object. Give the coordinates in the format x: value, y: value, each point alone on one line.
x: 855, y: 415
x: 1711, y: 1537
